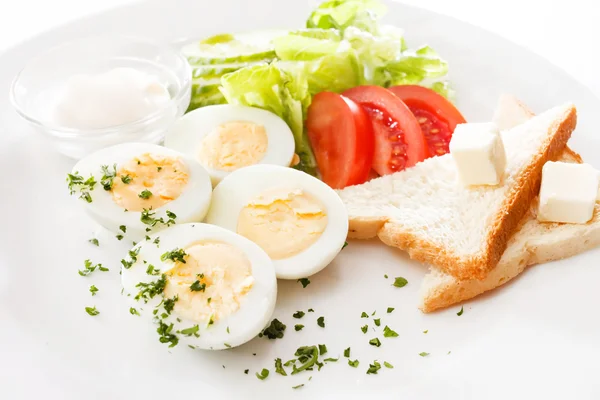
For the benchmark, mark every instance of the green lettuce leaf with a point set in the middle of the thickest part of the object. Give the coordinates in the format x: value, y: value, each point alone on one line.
x: 283, y: 92
x: 340, y: 14
x: 412, y: 68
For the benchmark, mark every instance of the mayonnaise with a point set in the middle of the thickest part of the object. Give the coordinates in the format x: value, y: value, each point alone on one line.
x: 116, y: 97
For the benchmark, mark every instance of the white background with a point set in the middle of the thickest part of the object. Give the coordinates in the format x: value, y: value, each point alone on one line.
x: 565, y: 32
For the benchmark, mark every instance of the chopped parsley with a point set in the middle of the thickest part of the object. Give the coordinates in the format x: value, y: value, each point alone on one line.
x: 331, y: 359
x: 321, y: 322
x: 344, y: 246
x: 123, y: 228
x: 132, y: 258
x: 133, y: 311
x: 353, y: 364
x: 298, y: 327
x: 364, y: 328
x: 460, y: 312
x: 304, y: 281
x: 263, y: 374
x: 400, y: 282
x: 425, y: 331
x: 387, y: 332
x: 246, y: 371
x: 279, y: 367
x: 152, y: 270
x: 86, y: 196
x: 101, y: 268
x: 310, y: 310
x: 373, y: 313
x: 191, y: 331
x: 126, y: 179
x: 165, y: 335
x: 385, y: 276
x: 169, y: 304
x: 390, y: 309
x: 156, y: 241
x: 197, y: 286
x: 145, y: 194
x: 298, y: 314
x: 228, y: 330
x: 274, y: 330
x: 94, y: 241
x: 308, y: 356
x: 298, y: 386
x: 88, y: 268
x: 364, y: 315
x: 347, y: 352
x: 119, y: 237
x: 92, y: 311
x: 149, y: 290
x: 373, y: 368
x: 174, y: 255
x: 377, y: 321
x: 107, y: 178
x: 93, y: 290
x: 76, y: 182
x: 388, y: 365
x: 147, y: 217
x: 423, y: 354
x: 322, y: 349
x: 158, y: 169
x: 375, y: 342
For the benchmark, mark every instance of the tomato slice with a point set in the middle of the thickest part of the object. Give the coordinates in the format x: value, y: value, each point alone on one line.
x: 399, y: 142
x: 436, y: 115
x: 341, y: 137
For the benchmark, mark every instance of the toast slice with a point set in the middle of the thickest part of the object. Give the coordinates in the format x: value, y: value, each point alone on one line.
x: 536, y: 242
x: 462, y: 231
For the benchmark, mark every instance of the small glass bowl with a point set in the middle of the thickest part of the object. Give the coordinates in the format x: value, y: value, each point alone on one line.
x: 32, y: 89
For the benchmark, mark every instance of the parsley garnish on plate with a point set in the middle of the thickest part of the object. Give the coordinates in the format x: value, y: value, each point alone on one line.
x: 423, y: 354
x: 246, y: 371
x: 347, y: 352
x: 169, y: 304
x: 119, y: 237
x: 133, y: 311
x: 149, y: 290
x: 385, y: 276
x: 425, y: 331
x: 375, y: 342
x: 152, y: 270
x: 377, y: 321
x: 298, y: 314
x: 279, y: 367
x: 197, y: 286
x: 344, y: 246
x: 126, y: 179
x: 298, y: 327
x: 123, y: 228
x: 93, y: 290
x: 388, y: 365
x: 94, y: 241
x: 132, y: 258
x: 165, y: 335
x: 373, y: 368
x: 388, y: 332
x: 298, y: 386
x: 353, y: 364
x: 174, y: 255
x: 76, y: 182
x: 263, y: 374
x: 400, y: 282
x: 390, y: 309
x: 322, y: 349
x: 92, y: 311
x: 364, y: 328
x: 304, y: 281
x: 308, y: 356
x: 145, y: 194
x: 191, y: 331
x: 460, y: 312
x: 158, y: 169
x: 331, y: 359
x: 321, y: 322
x: 89, y: 267
x: 310, y: 310
x: 274, y: 330
x: 364, y: 315
x: 107, y: 178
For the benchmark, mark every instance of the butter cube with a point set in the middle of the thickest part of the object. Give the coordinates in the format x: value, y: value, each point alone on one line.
x: 568, y: 192
x: 479, y: 154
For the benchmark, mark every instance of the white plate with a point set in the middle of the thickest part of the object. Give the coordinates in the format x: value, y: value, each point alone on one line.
x: 536, y: 337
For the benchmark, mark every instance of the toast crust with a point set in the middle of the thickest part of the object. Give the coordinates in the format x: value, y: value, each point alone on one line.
x: 516, y: 206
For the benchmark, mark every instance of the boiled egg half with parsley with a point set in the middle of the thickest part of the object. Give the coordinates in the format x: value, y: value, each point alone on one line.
x: 203, y: 286
x: 298, y: 220
x: 134, y: 189
x: 224, y: 138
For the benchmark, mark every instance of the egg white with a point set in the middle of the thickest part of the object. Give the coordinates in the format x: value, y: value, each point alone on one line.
x: 188, y: 132
x: 191, y: 206
x: 243, y: 185
x: 256, y: 307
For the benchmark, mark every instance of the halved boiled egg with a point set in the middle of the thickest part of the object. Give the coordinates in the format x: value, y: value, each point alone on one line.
x: 203, y: 285
x: 298, y: 220
x: 224, y: 138
x: 141, y: 188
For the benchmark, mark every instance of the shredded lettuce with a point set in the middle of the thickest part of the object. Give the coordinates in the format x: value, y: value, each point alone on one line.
x: 284, y: 93
x: 412, y: 68
x: 341, y: 14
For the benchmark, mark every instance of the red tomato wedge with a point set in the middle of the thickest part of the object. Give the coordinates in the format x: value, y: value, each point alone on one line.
x: 341, y: 137
x: 436, y: 115
x: 399, y: 142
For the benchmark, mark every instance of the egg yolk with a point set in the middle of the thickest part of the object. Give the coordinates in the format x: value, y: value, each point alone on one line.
x: 284, y: 222
x: 211, y: 283
x: 149, y: 181
x: 233, y: 145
